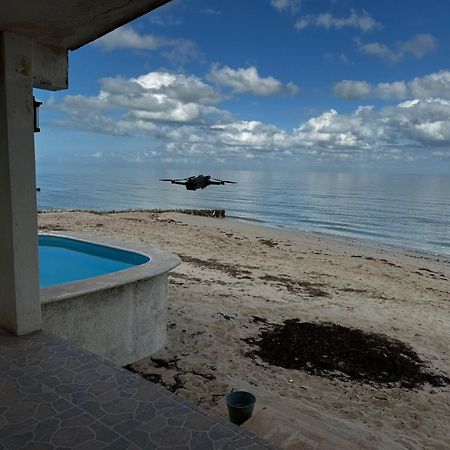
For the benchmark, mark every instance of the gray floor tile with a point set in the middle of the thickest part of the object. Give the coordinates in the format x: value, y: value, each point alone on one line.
x: 55, y: 396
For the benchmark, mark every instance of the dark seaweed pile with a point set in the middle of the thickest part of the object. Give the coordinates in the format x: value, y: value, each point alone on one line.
x: 334, y: 351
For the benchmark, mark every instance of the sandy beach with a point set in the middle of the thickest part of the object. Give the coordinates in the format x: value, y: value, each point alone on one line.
x: 236, y: 278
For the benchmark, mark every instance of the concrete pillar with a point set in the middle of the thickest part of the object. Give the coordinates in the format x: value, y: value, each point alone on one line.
x: 20, y: 308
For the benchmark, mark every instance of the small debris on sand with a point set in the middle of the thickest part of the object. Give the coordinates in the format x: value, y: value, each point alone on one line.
x: 297, y: 286
x: 268, y: 242
x: 233, y: 270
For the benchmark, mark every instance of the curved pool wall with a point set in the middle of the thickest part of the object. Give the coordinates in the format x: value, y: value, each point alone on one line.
x: 122, y: 315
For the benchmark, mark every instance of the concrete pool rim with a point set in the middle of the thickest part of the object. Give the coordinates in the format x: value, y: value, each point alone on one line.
x: 160, y: 261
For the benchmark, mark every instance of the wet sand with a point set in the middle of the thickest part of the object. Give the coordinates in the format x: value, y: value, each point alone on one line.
x: 235, y: 277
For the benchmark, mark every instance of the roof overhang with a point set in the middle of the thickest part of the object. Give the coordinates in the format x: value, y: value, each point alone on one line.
x: 70, y: 24
x: 54, y: 27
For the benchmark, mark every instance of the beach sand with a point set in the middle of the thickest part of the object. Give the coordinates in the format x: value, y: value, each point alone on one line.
x: 233, y: 272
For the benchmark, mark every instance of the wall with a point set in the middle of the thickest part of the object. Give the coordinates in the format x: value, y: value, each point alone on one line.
x: 122, y: 324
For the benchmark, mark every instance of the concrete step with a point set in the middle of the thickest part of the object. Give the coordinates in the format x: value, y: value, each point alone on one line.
x: 300, y: 432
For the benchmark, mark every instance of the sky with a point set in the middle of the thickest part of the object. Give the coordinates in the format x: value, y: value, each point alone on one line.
x: 297, y: 84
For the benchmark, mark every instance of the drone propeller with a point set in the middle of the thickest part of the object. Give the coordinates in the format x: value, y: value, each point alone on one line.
x: 171, y: 179
x: 223, y: 181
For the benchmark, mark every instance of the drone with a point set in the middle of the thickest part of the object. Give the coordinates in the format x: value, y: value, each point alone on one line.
x: 197, y: 182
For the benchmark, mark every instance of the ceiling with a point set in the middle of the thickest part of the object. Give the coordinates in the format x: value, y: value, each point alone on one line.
x: 70, y: 24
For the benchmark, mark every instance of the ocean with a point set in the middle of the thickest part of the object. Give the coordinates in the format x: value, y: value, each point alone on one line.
x: 407, y: 211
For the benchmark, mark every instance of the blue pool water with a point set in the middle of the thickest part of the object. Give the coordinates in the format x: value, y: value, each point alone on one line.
x: 62, y: 260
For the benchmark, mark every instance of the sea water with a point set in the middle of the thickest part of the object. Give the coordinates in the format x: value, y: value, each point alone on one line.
x: 410, y: 211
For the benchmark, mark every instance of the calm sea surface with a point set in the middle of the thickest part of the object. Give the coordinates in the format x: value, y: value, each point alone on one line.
x: 410, y: 211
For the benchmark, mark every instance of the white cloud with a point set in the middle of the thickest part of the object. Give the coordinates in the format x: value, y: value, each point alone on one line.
x: 178, y: 51
x: 434, y: 85
x: 377, y: 49
x: 165, y: 20
x: 181, y: 51
x: 400, y: 132
x: 291, y: 6
x: 182, y: 114
x: 251, y: 135
x: 126, y: 37
x: 424, y: 122
x: 360, y: 20
x: 331, y: 131
x: 407, y: 127
x: 248, y: 80
x: 429, y: 86
x: 211, y: 12
x: 394, y: 90
x: 341, y: 58
x: 154, y: 97
x: 352, y: 89
x: 418, y: 46
x: 184, y: 88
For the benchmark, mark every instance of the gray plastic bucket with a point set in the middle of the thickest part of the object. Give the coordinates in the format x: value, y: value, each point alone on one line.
x: 240, y: 406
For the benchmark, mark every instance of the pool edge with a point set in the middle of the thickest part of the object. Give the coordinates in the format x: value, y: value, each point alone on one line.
x: 160, y: 261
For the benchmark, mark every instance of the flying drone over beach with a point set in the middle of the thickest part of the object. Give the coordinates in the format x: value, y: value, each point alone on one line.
x: 197, y: 182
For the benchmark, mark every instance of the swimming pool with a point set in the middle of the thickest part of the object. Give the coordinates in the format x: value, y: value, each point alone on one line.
x: 105, y: 296
x: 63, y: 260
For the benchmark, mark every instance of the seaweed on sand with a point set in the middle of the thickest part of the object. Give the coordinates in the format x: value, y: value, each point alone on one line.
x: 333, y: 351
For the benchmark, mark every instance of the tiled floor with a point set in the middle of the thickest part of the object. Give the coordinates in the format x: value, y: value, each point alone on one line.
x: 55, y: 396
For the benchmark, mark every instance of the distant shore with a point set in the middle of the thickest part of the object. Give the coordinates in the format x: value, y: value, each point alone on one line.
x: 237, y: 277
x: 217, y: 213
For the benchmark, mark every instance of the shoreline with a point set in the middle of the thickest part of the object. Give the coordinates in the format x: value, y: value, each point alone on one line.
x: 264, y: 224
x: 347, y: 239
x: 236, y: 277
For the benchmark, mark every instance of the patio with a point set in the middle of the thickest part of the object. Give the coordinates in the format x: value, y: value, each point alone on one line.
x: 56, y: 396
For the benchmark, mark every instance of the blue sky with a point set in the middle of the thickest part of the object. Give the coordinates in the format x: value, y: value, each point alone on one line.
x: 285, y: 83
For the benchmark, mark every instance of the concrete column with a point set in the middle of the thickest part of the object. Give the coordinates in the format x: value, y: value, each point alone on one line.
x: 20, y: 308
